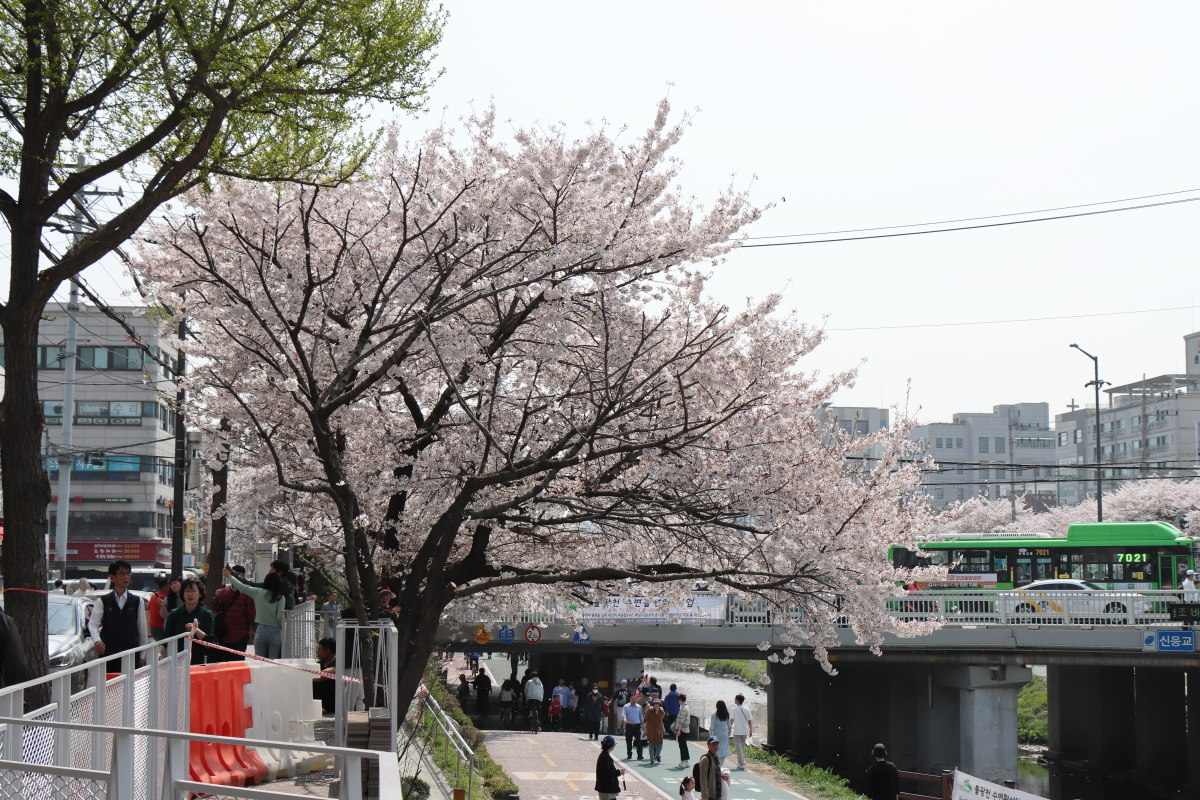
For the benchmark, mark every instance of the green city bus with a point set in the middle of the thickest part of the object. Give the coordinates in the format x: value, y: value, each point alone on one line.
x: 1116, y: 555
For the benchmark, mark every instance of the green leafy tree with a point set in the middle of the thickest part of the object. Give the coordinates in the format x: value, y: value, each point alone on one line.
x: 162, y: 95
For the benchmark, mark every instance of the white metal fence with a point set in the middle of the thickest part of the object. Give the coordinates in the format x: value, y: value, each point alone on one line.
x: 301, y: 631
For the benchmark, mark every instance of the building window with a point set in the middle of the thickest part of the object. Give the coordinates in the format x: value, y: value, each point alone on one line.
x: 938, y: 443
x: 1077, y: 435
x: 937, y: 493
x: 999, y: 444
x: 862, y: 427
x: 958, y: 444
x: 960, y: 469
x: 999, y: 474
x: 1062, y: 439
x: 983, y: 444
x: 959, y: 492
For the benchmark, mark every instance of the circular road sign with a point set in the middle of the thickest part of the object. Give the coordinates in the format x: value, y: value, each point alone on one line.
x: 533, y: 634
x: 482, y: 635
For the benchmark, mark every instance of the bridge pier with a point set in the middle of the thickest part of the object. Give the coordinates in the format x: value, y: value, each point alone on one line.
x: 931, y: 716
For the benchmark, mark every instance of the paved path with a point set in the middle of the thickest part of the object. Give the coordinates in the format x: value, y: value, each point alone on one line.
x: 562, y: 766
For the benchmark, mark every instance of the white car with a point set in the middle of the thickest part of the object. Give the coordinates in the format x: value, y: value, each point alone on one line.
x: 1073, y: 598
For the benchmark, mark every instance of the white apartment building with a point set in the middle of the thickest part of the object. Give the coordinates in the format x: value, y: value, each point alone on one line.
x: 857, y: 421
x: 1149, y: 428
x: 999, y: 454
x: 121, y: 495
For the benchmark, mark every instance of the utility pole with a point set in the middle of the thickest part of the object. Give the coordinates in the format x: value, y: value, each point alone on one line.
x: 66, y: 458
x: 1097, y: 383
x: 177, y: 517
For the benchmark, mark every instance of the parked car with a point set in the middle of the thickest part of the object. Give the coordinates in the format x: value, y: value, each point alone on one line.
x: 68, y: 641
x: 1073, y: 598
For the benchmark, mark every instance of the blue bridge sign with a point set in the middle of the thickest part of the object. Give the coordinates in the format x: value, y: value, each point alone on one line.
x: 1176, y: 641
x: 507, y: 632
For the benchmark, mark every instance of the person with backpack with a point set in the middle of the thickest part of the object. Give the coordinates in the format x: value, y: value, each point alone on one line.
x: 707, y: 772
x: 233, y: 613
x: 883, y: 779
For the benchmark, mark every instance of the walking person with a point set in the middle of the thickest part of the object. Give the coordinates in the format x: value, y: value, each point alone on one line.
x: 154, y: 610
x: 1189, y: 586
x: 269, y: 604
x: 683, y: 727
x: 234, y: 614
x: 631, y: 715
x: 608, y: 772
x: 743, y: 728
x: 671, y: 706
x: 593, y: 711
x: 619, y: 700
x: 483, y: 692
x: 655, y: 729
x: 721, y: 726
x: 883, y: 779
x: 331, y: 612
x: 708, y: 770
x: 194, y: 617
x: 118, y: 621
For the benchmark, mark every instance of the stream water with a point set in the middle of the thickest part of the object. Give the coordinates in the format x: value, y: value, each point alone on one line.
x: 703, y: 692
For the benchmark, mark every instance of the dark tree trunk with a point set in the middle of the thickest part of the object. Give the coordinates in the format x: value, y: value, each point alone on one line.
x: 24, y: 480
x: 216, y: 540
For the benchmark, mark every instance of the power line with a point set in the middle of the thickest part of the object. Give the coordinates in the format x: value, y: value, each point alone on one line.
x: 971, y: 227
x: 974, y: 219
x: 1010, y: 321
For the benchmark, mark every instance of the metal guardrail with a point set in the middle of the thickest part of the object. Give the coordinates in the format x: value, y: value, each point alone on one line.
x: 431, y: 721
x: 1083, y: 609
x: 39, y: 781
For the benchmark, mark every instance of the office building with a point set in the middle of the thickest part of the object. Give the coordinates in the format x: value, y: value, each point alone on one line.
x: 999, y: 454
x: 122, y: 479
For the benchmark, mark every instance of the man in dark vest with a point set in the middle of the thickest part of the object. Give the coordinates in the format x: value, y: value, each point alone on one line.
x: 118, y: 620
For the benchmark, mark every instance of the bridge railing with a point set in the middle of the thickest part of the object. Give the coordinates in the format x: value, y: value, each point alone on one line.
x: 983, y: 607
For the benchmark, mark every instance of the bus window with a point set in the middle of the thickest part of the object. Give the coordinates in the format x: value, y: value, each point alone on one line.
x: 1023, y: 571
x: 1044, y: 569
x: 939, y: 558
x: 1095, y: 572
x: 973, y: 560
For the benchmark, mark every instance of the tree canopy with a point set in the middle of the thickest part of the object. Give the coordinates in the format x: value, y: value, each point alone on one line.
x: 489, y: 372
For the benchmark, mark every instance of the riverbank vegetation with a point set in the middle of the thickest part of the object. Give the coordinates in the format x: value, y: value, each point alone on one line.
x: 811, y: 781
x: 751, y: 672
x: 1032, y: 710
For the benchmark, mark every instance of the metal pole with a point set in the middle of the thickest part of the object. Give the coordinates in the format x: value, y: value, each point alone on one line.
x: 180, y: 462
x: 1099, y: 471
x: 66, y: 459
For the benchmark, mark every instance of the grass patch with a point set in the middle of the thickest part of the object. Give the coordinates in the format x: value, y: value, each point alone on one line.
x: 1032, y: 711
x: 817, y: 783
x: 497, y: 783
x: 749, y: 671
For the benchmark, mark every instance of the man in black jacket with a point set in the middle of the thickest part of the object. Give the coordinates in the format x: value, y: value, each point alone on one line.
x: 883, y: 779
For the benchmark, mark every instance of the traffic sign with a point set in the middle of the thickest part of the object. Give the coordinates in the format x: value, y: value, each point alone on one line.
x: 582, y: 636
x: 482, y: 635
x: 506, y: 634
x: 533, y: 634
x: 1176, y: 641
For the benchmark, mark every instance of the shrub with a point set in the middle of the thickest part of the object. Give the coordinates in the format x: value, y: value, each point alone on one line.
x: 749, y: 671
x: 1032, y: 711
x: 818, y: 782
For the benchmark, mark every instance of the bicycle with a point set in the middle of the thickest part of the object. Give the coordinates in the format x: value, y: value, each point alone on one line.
x: 535, y: 720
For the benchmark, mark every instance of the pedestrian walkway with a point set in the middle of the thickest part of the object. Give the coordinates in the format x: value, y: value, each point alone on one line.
x: 562, y: 766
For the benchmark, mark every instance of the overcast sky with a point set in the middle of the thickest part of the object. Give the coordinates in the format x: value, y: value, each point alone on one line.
x: 874, y: 114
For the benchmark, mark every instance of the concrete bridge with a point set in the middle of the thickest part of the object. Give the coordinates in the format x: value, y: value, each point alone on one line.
x: 943, y: 700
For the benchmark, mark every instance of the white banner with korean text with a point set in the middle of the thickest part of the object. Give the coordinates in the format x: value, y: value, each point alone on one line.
x: 656, y: 611
x: 968, y: 787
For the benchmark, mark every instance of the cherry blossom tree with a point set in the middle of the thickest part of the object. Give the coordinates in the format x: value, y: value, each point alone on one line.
x: 490, y: 371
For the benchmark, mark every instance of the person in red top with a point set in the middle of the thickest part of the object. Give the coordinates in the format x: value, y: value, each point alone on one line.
x: 154, y: 609
x: 234, y: 612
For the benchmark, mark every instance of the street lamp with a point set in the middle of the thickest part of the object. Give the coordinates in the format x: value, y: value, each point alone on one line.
x: 1099, y: 482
